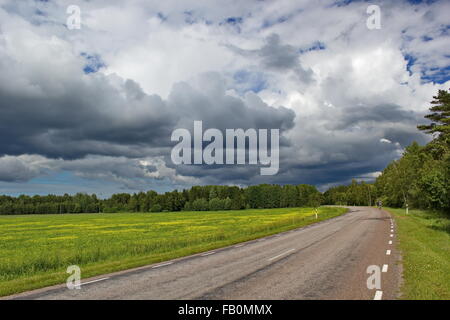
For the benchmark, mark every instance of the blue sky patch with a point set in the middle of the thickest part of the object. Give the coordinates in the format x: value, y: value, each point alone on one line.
x: 234, y: 20
x: 318, y: 45
x: 421, y: 1
x: 249, y: 81
x: 94, y: 63
x: 343, y: 3
x: 411, y: 61
x: 437, y: 75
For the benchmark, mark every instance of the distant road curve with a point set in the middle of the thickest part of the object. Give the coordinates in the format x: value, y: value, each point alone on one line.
x: 327, y: 260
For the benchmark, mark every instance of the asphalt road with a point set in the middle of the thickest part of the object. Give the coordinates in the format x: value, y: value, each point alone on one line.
x: 327, y: 260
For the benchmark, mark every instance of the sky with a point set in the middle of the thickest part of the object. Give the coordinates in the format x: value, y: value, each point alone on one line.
x: 93, y: 109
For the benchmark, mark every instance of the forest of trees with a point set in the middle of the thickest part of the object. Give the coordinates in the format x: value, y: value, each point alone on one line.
x: 357, y: 194
x: 419, y: 179
x: 197, y: 198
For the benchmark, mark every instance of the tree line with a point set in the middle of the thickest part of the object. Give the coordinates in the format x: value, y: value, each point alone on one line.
x: 197, y: 198
x: 355, y: 194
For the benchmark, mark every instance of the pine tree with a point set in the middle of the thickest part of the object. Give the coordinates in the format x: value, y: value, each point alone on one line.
x: 440, y: 116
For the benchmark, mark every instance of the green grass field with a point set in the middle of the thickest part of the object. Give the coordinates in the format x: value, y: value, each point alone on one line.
x: 425, y: 244
x: 35, y: 250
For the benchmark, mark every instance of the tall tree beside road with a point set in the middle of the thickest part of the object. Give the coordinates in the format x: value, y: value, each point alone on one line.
x: 439, y: 116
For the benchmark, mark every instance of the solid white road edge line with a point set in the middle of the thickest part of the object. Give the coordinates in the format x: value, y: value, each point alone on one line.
x: 281, y: 254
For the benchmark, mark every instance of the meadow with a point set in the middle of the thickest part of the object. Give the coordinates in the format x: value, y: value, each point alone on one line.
x: 35, y: 250
x: 424, y: 240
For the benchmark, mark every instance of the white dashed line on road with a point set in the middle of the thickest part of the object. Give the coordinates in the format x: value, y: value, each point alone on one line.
x: 390, y: 241
x: 162, y: 265
x: 281, y: 254
x: 388, y: 252
x: 378, y: 295
x: 385, y: 268
x: 392, y: 235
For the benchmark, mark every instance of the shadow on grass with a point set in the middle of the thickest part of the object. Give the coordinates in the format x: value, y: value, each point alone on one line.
x: 442, y: 226
x: 438, y: 221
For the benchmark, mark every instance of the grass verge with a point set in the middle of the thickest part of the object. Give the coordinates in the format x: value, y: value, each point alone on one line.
x: 424, y: 239
x: 35, y: 250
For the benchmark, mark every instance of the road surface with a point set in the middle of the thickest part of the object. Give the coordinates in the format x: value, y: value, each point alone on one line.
x: 327, y: 260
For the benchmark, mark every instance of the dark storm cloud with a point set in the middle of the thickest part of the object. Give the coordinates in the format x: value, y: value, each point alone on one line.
x: 377, y: 114
x: 49, y: 125
x: 105, y: 115
x: 337, y: 145
x: 236, y: 174
x: 95, y: 117
x: 216, y: 109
